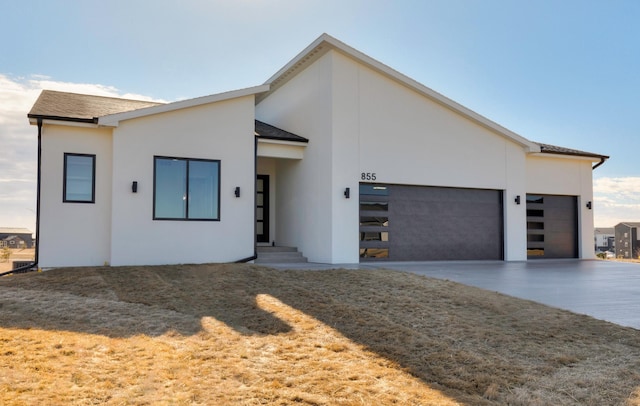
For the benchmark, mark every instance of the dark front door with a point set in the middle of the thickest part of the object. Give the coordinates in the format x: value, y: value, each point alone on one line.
x: 262, y: 208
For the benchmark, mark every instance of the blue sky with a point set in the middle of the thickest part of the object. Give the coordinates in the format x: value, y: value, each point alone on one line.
x: 559, y: 72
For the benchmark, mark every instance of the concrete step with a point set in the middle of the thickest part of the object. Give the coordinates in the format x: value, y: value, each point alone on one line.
x: 276, y: 249
x: 279, y: 255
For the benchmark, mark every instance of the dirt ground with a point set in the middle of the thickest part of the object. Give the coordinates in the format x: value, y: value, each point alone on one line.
x: 248, y: 335
x: 26, y: 254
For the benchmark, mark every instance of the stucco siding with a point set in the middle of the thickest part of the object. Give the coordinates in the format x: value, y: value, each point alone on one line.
x: 409, y: 139
x: 219, y: 131
x: 304, y: 197
x: 360, y: 121
x: 405, y: 138
x: 345, y: 158
x: 74, y: 234
x: 515, y: 215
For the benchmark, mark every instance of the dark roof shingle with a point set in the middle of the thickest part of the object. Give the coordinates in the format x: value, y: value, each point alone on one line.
x: 554, y: 149
x: 267, y: 131
x: 56, y: 105
x: 63, y: 106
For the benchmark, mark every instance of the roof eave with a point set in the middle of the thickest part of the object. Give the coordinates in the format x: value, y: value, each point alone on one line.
x: 113, y: 120
x: 586, y: 157
x: 279, y: 141
x: 34, y: 117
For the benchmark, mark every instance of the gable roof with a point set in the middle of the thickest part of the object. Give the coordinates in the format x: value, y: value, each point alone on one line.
x: 109, y: 111
x: 325, y: 43
x: 114, y: 119
x: 64, y: 106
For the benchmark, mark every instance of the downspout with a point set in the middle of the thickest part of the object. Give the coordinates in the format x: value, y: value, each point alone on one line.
x: 255, y: 185
x: 34, y: 264
x: 39, y: 183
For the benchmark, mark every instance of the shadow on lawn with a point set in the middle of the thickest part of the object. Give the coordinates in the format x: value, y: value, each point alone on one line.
x: 420, y: 324
x: 127, y: 301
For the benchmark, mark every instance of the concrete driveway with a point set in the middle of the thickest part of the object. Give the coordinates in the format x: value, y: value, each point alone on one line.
x: 606, y: 290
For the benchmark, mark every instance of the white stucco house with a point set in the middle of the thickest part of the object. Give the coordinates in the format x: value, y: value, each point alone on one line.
x: 336, y: 154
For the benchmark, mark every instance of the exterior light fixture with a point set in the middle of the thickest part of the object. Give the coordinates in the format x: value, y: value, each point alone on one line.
x: 237, y: 191
x: 517, y: 199
x: 134, y: 187
x: 347, y: 193
x: 589, y: 205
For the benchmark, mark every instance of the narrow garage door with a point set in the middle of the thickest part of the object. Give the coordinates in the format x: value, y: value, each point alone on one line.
x: 552, y: 226
x: 419, y: 223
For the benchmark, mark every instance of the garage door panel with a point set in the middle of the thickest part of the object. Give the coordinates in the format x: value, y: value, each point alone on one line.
x: 552, y: 226
x: 433, y: 223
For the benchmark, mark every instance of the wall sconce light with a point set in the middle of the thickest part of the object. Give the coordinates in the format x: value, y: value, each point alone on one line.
x: 237, y: 191
x: 134, y: 186
x: 589, y: 205
x: 347, y: 193
x: 517, y: 199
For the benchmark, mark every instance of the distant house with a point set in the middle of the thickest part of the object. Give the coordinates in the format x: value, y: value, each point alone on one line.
x: 15, y: 237
x: 626, y: 235
x: 604, y: 238
x: 336, y: 154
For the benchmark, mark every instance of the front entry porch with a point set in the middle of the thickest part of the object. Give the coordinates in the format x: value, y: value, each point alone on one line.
x: 279, y: 255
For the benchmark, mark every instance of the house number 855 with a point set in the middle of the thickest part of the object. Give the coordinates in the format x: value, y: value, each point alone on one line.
x: 368, y: 176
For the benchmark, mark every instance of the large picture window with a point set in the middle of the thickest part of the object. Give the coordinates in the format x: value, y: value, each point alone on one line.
x: 79, y: 184
x: 186, y: 189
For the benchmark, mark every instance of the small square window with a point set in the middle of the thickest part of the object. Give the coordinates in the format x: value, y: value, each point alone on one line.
x: 79, y: 183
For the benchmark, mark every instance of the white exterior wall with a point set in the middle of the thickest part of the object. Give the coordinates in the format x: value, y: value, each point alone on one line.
x: 562, y: 175
x: 222, y: 131
x: 74, y: 234
x: 358, y: 120
x: 515, y: 215
x: 405, y: 138
x: 304, y: 201
x: 345, y: 163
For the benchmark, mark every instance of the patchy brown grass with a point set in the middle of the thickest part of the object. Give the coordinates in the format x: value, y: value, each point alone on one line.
x: 242, y: 334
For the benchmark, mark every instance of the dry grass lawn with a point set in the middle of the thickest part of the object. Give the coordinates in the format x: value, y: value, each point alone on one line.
x: 247, y: 335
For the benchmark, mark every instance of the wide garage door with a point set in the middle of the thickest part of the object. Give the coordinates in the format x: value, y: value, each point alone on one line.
x: 418, y: 223
x: 552, y: 226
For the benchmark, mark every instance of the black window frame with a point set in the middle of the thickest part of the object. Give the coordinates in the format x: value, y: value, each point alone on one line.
x: 93, y: 179
x: 186, y: 215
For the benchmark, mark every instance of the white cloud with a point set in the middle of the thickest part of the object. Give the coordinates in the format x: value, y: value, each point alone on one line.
x: 18, y: 142
x: 616, y: 200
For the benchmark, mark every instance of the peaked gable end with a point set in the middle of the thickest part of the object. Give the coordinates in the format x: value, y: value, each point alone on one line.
x: 326, y: 43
